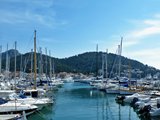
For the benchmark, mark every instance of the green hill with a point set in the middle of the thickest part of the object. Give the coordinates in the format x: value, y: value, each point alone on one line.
x: 84, y: 63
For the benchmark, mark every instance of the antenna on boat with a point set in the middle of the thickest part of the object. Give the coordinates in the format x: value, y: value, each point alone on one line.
x: 35, y: 61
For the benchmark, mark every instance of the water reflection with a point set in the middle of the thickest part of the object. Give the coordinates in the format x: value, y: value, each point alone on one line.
x: 80, y: 102
x: 141, y: 117
x: 45, y: 114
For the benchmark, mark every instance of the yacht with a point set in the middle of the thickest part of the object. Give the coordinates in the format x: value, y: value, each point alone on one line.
x: 7, y: 107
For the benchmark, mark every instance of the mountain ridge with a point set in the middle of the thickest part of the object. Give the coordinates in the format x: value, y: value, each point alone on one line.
x: 85, y: 63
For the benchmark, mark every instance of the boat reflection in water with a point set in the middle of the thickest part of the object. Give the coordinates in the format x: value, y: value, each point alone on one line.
x: 77, y: 101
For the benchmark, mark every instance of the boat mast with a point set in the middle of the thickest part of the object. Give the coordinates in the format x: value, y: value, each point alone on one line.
x: 50, y: 65
x: 120, y: 53
x: 9, y: 62
x: 15, y: 61
x: 35, y: 60
x: 20, y: 75
x: 97, y: 61
x: 0, y: 60
x: 53, y: 70
x: 103, y: 57
x: 129, y: 75
x: 31, y: 64
x: 119, y: 73
x: 106, y: 63
x: 6, y: 74
x: 41, y: 63
x: 46, y: 61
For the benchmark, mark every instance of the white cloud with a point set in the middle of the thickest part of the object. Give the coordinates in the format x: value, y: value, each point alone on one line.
x: 148, y: 27
x: 39, y: 12
x: 25, y: 17
x: 146, y: 30
x: 147, y: 53
x: 146, y: 56
x: 33, y: 3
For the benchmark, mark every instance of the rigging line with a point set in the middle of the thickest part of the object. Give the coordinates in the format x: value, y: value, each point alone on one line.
x: 91, y: 65
x: 30, y: 42
x: 48, y: 108
x: 42, y: 115
x: 110, y: 74
x: 27, y: 62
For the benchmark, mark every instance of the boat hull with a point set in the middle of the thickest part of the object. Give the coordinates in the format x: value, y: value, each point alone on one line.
x: 112, y: 91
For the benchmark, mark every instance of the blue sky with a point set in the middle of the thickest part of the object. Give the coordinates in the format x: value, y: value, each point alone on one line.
x: 70, y: 27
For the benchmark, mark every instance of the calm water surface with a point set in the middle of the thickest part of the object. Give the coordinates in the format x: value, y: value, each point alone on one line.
x: 77, y: 101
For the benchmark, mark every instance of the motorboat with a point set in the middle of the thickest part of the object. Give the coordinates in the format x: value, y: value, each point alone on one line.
x: 39, y: 102
x: 14, y: 107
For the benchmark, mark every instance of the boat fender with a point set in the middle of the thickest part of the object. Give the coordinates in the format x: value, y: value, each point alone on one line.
x: 17, y: 115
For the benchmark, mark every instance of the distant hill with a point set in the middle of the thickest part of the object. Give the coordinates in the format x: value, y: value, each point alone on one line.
x: 84, y: 63
x: 10, y: 53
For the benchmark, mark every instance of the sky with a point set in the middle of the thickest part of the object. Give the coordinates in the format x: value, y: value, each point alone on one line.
x: 71, y: 27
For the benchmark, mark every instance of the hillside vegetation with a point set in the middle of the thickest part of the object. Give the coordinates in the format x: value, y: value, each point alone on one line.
x: 83, y: 63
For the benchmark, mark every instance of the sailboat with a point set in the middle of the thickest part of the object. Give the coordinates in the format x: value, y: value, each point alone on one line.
x: 7, y: 107
x: 102, y: 85
x: 34, y: 93
x: 5, y: 88
x: 39, y: 102
x: 112, y: 86
x: 125, y: 90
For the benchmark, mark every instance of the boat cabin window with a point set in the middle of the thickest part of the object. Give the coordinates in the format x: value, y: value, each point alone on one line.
x: 27, y: 93
x: 2, y: 101
x: 33, y: 94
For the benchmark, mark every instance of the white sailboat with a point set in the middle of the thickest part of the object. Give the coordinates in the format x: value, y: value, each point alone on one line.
x: 114, y: 88
x: 5, y: 86
x: 34, y: 92
x: 11, y: 117
x: 7, y: 107
x: 39, y: 102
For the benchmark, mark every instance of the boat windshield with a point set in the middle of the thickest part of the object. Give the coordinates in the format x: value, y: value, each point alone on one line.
x: 2, y: 101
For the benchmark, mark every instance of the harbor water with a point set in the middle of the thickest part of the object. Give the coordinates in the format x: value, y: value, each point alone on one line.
x: 77, y: 101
